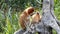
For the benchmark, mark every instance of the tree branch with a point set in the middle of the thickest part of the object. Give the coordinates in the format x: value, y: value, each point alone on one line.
x: 52, y: 11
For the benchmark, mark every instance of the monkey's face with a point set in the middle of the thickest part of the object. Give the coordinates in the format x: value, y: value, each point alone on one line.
x: 36, y: 18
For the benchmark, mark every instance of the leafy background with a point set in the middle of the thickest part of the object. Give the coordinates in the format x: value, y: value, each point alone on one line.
x: 11, y: 9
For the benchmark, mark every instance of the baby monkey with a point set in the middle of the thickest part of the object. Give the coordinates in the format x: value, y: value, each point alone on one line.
x: 36, y: 18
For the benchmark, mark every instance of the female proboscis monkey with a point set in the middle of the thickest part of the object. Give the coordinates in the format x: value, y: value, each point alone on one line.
x: 23, y: 17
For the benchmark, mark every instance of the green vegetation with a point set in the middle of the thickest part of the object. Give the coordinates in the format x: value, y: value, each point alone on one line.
x: 11, y: 9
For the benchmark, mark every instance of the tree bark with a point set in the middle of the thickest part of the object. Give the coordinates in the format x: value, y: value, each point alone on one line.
x: 52, y: 11
x: 48, y: 17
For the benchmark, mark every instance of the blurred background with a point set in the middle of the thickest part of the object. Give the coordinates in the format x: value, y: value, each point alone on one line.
x: 11, y: 9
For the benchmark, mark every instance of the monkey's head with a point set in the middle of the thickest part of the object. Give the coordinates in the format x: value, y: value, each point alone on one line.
x: 36, y: 18
x: 29, y: 10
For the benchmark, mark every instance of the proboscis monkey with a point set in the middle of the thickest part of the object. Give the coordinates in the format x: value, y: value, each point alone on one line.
x: 24, y: 16
x: 36, y: 18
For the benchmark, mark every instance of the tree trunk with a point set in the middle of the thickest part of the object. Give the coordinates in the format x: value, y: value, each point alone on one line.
x: 48, y: 17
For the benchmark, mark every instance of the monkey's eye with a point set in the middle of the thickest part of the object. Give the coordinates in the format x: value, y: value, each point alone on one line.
x: 39, y: 20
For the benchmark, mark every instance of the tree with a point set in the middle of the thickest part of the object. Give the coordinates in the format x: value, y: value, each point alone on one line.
x: 48, y: 18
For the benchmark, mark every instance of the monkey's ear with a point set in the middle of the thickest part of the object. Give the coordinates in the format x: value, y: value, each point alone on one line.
x: 37, y: 13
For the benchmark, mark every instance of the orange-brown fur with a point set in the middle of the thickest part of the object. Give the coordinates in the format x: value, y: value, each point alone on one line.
x: 24, y: 15
x: 36, y: 18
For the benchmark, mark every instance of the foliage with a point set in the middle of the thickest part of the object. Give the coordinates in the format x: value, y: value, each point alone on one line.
x: 57, y: 8
x: 11, y: 9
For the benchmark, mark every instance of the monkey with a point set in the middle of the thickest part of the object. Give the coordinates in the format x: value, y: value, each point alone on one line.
x: 36, y: 18
x: 24, y: 16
